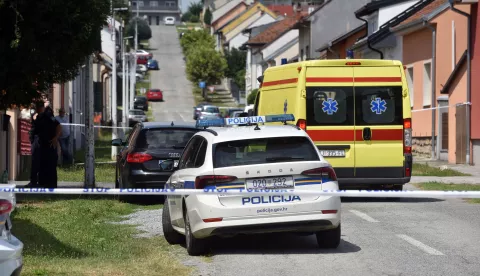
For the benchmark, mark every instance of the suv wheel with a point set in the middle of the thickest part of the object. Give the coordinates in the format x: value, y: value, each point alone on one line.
x: 329, y: 239
x: 172, y: 236
x: 194, y: 246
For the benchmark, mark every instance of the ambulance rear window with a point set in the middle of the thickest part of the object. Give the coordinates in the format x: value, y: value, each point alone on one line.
x: 330, y: 106
x: 379, y: 105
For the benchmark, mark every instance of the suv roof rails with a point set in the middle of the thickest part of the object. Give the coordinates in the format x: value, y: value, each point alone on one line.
x: 209, y: 130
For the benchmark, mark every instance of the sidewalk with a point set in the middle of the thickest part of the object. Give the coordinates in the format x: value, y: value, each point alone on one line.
x: 472, y: 170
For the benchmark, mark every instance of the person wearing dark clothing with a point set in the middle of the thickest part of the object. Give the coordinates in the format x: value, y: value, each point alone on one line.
x: 35, y: 166
x: 48, y: 130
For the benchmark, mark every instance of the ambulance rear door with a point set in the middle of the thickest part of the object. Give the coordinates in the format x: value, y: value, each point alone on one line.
x: 378, y: 122
x: 330, y: 118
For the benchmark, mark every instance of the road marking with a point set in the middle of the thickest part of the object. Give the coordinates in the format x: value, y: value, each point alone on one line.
x: 363, y: 216
x: 420, y: 245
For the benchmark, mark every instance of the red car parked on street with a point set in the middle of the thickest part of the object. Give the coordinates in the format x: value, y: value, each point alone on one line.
x: 155, y: 95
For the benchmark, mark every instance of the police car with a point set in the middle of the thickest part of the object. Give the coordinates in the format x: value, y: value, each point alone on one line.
x: 244, y: 153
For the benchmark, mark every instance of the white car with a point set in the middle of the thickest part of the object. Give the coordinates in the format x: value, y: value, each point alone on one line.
x: 169, y: 20
x: 250, y: 156
x: 11, y: 248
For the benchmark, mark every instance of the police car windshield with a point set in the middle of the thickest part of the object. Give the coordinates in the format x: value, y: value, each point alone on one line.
x: 164, y: 138
x: 263, y: 150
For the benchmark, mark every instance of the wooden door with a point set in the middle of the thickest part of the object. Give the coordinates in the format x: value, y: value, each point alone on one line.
x: 461, y: 134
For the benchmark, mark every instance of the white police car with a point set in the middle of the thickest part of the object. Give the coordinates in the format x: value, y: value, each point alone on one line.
x: 251, y: 156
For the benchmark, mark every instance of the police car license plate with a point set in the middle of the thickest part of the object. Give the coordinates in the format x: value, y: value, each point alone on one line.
x: 270, y: 182
x: 332, y: 153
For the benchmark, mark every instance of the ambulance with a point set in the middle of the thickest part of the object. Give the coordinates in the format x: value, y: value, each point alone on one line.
x: 357, y: 112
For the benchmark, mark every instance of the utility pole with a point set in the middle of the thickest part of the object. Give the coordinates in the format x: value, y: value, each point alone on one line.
x: 89, y: 130
x: 114, y: 88
x: 125, y: 81
x: 134, y: 60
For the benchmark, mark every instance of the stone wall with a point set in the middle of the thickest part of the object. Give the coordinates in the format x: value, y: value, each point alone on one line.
x: 422, y: 147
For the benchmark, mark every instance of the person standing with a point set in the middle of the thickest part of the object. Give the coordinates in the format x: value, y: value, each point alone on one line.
x: 65, y: 136
x: 48, y: 130
x: 35, y: 146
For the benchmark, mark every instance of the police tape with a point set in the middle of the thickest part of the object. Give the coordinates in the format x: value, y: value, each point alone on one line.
x: 441, y: 107
x: 95, y: 126
x: 240, y: 191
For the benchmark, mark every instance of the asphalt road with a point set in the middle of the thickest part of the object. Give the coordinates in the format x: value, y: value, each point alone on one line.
x: 409, y: 237
x: 171, y: 79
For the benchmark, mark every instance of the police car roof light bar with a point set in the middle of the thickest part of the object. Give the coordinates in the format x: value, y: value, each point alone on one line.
x: 245, y: 120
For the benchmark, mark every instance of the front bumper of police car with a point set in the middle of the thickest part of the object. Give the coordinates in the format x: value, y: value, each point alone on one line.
x: 209, y: 217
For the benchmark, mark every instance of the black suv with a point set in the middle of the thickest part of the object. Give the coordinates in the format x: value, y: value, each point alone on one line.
x: 140, y: 102
x: 139, y: 162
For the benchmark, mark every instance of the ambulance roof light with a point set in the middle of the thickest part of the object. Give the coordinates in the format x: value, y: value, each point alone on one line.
x: 246, y: 120
x: 350, y: 54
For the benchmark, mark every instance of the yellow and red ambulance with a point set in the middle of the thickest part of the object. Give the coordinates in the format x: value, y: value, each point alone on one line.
x: 357, y: 111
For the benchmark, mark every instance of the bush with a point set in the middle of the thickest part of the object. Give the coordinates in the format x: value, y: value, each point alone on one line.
x: 205, y: 64
x: 144, y: 31
x: 207, y: 18
x: 186, y: 16
x: 194, y: 19
x: 194, y: 37
x: 251, y: 97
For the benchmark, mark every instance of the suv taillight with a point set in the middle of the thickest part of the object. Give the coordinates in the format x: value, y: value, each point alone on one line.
x: 203, y: 181
x: 302, y: 124
x: 138, y: 157
x: 326, y: 173
x: 407, y: 136
x: 5, y: 206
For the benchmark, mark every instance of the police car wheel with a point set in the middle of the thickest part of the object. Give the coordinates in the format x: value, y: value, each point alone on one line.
x: 194, y: 246
x: 329, y: 239
x: 172, y: 236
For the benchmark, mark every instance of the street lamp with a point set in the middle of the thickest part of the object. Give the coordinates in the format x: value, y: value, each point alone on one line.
x: 124, y: 84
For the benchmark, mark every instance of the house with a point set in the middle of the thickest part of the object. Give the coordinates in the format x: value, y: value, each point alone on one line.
x: 224, y: 14
x: 282, y: 10
x: 475, y: 82
x: 267, y: 47
x: 380, y: 16
x: 328, y: 21
x: 434, y: 42
x: 230, y: 35
x: 338, y: 47
x: 156, y: 10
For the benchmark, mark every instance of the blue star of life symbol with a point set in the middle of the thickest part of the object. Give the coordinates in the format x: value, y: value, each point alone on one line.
x: 285, y: 104
x: 378, y: 106
x: 330, y: 106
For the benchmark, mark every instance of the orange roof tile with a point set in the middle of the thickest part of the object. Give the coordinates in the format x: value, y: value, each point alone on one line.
x: 276, y: 30
x: 425, y: 11
x: 282, y: 9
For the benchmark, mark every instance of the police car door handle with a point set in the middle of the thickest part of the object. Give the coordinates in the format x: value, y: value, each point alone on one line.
x: 367, y: 134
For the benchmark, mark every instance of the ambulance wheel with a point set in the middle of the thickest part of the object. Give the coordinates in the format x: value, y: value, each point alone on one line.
x: 329, y: 239
x: 172, y: 236
x: 195, y: 247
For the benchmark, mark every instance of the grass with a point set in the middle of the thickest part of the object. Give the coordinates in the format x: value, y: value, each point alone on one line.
x: 426, y: 170
x: 103, y: 148
x: 188, y: 25
x: 435, y: 186
x: 76, y: 173
x: 76, y: 237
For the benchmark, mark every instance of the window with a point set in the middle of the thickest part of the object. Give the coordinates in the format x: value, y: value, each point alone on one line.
x: 170, y: 3
x: 330, y: 106
x: 427, y: 84
x: 202, y: 153
x: 140, y: 3
x: 212, y: 109
x: 373, y: 24
x: 444, y: 130
x: 132, y: 135
x: 164, y: 138
x: 410, y: 84
x: 259, y: 151
x: 187, y: 160
x: 379, y: 105
x: 153, y: 3
x: 136, y: 112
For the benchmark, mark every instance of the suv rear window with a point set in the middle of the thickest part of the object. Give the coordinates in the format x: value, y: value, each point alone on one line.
x: 212, y: 110
x: 161, y: 138
x: 140, y: 99
x: 330, y: 106
x: 137, y: 112
x: 264, y: 150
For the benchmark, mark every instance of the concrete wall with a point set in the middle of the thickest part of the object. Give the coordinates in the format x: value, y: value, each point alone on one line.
x: 288, y: 54
x: 475, y: 80
x: 340, y: 49
x: 278, y: 43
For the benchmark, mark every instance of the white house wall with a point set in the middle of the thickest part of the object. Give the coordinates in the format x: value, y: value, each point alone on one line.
x: 280, y: 42
x: 387, y: 13
x: 288, y: 54
x: 237, y: 41
x: 242, y: 26
x: 304, y: 42
x: 108, y: 47
x: 240, y: 38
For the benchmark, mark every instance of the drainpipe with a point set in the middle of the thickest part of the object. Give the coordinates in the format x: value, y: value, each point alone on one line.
x: 368, y: 41
x: 469, y: 32
x: 434, y: 62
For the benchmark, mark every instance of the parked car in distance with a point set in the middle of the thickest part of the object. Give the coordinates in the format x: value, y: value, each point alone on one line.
x: 140, y: 164
x: 169, y: 20
x: 140, y: 102
x: 144, y: 53
x: 11, y: 248
x: 197, y: 109
x: 141, y: 68
x: 210, y: 110
x: 236, y: 114
x: 152, y: 64
x: 136, y: 116
x: 142, y: 59
x: 231, y: 111
x: 154, y: 94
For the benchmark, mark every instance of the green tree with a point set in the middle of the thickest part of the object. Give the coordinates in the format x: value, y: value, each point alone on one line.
x: 186, y: 16
x: 194, y: 19
x: 239, y: 79
x: 207, y: 18
x: 45, y: 42
x: 205, y: 64
x: 144, y: 31
x: 251, y: 97
x: 195, y: 8
x: 193, y: 37
x: 236, y: 61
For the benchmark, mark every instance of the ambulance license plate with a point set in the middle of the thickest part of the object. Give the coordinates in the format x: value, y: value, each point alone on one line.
x: 332, y: 153
x: 280, y: 182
